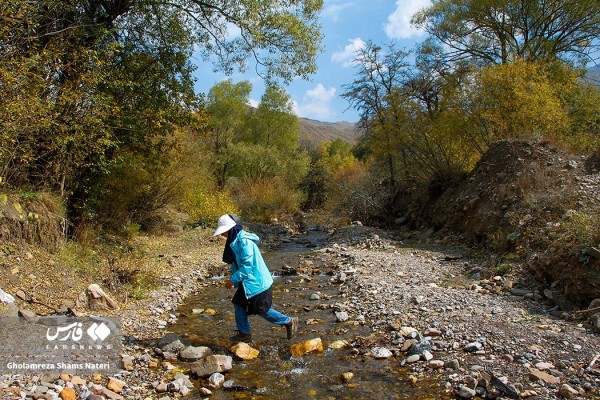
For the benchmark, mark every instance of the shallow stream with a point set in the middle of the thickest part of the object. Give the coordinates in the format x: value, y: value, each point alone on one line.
x: 275, y: 374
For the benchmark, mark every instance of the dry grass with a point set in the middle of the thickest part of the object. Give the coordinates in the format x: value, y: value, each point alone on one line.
x: 32, y: 218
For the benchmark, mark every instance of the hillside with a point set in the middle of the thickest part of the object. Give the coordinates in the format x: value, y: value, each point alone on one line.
x: 315, y: 132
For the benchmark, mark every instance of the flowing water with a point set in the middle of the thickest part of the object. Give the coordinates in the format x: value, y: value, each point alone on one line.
x: 275, y: 374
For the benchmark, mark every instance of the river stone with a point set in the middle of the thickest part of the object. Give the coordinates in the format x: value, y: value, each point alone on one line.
x: 167, y: 339
x: 407, y: 344
x: 216, y: 380
x: 338, y: 344
x: 427, y: 356
x: 184, y: 390
x: 184, y: 380
x: 173, y: 347
x: 432, y: 332
x: 116, y: 385
x: 473, y: 347
x: 413, y: 359
x: 315, y: 296
x: 535, y: 375
x: 435, y: 364
x: 596, y: 322
x: 466, y: 392
x: 28, y: 315
x: 244, y: 351
x: 67, y: 394
x: 126, y: 363
x: 211, y: 364
x: 173, y: 387
x: 342, y: 316
x: 567, y: 391
x: 406, y: 331
x: 347, y: 377
x: 307, y: 347
x: 205, y: 392
x: 419, y: 348
x: 161, y: 388
x: 192, y: 353
x: 543, y: 366
x: 381, y: 352
x: 102, y: 391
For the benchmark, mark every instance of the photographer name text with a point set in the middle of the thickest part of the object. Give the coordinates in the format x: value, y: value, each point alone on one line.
x: 57, y: 366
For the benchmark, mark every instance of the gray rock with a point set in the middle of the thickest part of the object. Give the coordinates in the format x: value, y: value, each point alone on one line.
x: 427, y: 356
x: 595, y: 319
x: 419, y: 348
x: 473, y: 347
x: 96, y: 299
x: 216, y: 380
x: 173, y: 347
x: 167, y: 339
x: 192, y: 353
x: 466, y: 392
x: 28, y: 315
x: 161, y: 388
x: 127, y: 363
x: 381, y: 352
x: 342, y: 316
x: 185, y: 380
x: 413, y: 359
x: 211, y: 364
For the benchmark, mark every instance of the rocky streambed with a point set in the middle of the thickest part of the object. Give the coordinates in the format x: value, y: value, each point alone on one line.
x: 393, y: 321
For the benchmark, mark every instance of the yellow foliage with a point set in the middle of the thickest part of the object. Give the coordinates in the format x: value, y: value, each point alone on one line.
x: 261, y: 200
x: 520, y: 100
x: 206, y: 206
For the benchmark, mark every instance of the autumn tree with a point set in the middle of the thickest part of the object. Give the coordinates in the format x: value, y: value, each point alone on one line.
x: 502, y: 31
x: 379, y: 73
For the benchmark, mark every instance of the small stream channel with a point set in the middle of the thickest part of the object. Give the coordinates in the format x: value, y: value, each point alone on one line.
x: 275, y: 374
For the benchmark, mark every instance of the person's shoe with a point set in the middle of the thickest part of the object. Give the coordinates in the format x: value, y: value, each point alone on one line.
x: 241, y: 337
x: 292, y: 327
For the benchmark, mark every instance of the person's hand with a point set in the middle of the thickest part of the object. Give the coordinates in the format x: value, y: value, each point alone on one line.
x: 228, y: 284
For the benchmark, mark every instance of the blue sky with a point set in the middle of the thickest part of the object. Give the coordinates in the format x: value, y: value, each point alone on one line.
x: 346, y: 26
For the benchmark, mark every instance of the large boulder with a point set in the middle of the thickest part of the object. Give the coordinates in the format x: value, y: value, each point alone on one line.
x: 95, y: 299
x: 211, y: 364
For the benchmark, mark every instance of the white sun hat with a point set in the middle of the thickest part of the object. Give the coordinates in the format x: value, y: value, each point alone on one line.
x: 225, y: 223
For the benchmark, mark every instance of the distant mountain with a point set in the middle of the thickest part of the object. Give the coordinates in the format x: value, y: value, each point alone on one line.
x: 315, y: 132
x: 593, y: 75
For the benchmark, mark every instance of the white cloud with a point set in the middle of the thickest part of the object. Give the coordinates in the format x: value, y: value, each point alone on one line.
x: 233, y: 31
x: 316, y: 103
x: 253, y: 103
x: 333, y: 11
x: 398, y: 24
x: 346, y: 57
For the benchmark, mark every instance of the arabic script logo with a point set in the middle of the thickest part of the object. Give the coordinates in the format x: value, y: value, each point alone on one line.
x: 74, y: 332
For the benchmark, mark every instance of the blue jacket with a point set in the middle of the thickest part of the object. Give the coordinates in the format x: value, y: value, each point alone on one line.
x: 249, y: 268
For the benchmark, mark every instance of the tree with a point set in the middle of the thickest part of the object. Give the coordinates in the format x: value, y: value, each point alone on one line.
x: 228, y: 110
x: 502, y: 31
x: 379, y: 73
x: 269, y: 145
x: 107, y: 79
